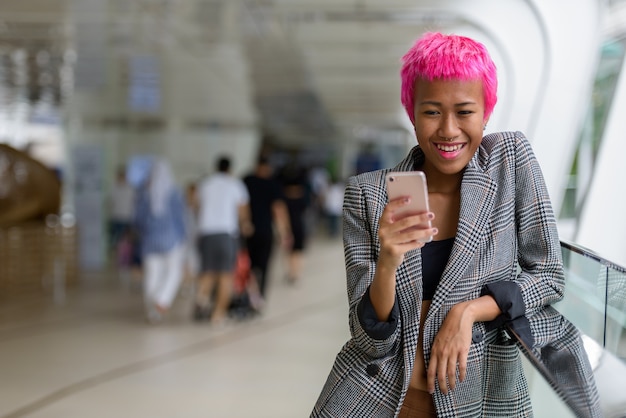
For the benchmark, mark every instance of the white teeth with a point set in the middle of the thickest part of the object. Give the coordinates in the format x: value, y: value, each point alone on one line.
x: 449, y: 148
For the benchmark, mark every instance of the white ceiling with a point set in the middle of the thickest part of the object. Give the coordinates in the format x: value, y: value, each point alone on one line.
x: 339, y: 60
x: 320, y: 69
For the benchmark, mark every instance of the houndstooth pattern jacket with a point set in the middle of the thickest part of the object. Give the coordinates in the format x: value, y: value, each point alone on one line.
x: 506, y: 231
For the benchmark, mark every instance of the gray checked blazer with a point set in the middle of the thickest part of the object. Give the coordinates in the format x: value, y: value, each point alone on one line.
x: 506, y: 232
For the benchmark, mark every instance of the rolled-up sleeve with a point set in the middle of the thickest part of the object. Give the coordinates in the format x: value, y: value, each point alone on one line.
x: 508, y: 297
x: 376, y: 329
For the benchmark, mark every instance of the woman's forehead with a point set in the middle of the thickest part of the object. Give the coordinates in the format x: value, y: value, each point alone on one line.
x: 446, y: 90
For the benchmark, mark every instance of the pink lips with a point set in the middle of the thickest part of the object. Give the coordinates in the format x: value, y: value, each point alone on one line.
x: 449, y: 155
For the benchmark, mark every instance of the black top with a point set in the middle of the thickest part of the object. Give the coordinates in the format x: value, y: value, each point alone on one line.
x: 435, y: 256
x: 263, y: 193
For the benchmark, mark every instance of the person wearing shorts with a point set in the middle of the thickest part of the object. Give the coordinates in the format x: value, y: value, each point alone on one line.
x: 218, y: 252
x: 224, y: 214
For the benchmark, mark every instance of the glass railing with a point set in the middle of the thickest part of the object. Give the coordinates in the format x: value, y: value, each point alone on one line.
x: 595, y: 302
x: 595, y: 297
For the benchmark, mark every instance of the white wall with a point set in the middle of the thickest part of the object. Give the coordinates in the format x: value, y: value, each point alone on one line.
x: 574, y: 33
x: 602, y: 225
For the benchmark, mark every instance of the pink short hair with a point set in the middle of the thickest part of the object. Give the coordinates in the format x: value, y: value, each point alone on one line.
x: 447, y: 57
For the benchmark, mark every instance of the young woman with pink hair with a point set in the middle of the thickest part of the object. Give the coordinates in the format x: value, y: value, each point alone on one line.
x: 427, y: 319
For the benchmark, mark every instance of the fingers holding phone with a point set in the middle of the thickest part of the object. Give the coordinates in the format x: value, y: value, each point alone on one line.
x: 399, y: 234
x: 408, y: 203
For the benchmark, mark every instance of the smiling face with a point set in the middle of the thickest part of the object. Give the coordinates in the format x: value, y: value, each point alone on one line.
x: 449, y: 123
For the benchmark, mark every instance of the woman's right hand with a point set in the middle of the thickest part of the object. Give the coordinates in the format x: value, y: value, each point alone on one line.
x: 399, y: 233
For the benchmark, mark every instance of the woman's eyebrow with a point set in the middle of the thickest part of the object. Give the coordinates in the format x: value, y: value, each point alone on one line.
x: 435, y: 103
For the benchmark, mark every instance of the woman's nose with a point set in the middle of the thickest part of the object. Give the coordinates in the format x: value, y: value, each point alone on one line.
x: 449, y: 127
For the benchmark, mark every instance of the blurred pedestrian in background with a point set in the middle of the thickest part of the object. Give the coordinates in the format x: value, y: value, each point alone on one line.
x: 319, y: 180
x: 138, y: 172
x: 224, y: 214
x: 269, y: 215
x: 160, y: 223
x: 297, y: 191
x: 121, y: 209
x: 367, y: 159
x: 333, y: 206
x: 192, y: 257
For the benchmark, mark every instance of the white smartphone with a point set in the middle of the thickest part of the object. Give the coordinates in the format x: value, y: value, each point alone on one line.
x: 410, y: 184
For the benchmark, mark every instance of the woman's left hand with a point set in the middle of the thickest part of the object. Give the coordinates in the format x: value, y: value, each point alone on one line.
x: 452, y: 342
x: 450, y: 349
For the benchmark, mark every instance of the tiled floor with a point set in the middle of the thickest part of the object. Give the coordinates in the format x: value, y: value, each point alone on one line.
x: 94, y: 356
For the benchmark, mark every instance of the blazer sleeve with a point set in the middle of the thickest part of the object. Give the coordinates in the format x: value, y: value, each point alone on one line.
x: 541, y: 278
x: 360, y: 220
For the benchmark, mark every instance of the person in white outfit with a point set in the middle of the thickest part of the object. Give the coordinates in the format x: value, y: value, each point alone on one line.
x: 223, y: 217
x: 160, y: 222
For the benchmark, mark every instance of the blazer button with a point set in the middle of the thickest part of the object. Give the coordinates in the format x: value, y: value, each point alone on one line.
x: 372, y: 369
x: 477, y: 336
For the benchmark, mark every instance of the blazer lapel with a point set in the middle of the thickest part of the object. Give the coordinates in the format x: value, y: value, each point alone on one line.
x: 478, y: 192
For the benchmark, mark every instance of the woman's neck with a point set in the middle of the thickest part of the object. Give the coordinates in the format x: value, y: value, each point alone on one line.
x: 439, y: 182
